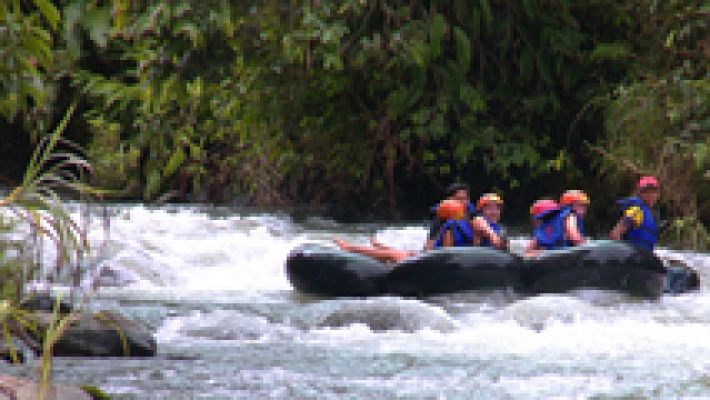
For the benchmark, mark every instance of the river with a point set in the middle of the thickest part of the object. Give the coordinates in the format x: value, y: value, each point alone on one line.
x: 211, y: 283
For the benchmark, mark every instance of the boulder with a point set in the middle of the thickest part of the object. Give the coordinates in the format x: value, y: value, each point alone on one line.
x: 22, y: 389
x: 101, y: 334
x: 106, y: 334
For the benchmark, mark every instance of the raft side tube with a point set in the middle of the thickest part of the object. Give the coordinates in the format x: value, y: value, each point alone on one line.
x: 324, y: 271
x: 607, y: 265
x: 452, y: 270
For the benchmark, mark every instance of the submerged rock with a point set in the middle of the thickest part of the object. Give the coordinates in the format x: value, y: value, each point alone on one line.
x: 381, y: 315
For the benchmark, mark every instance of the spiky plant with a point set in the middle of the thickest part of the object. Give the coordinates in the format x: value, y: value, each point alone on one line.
x: 33, y: 215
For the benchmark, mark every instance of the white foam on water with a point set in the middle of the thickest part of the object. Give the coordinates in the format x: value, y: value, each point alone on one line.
x: 552, y: 346
x: 583, y: 343
x: 190, y: 250
x: 220, y: 325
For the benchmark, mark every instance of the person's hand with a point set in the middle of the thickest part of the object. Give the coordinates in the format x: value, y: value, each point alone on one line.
x: 500, y: 243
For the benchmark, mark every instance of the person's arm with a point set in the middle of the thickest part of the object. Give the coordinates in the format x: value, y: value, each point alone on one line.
x: 632, y: 217
x: 572, y: 230
x: 434, y: 231
x: 381, y: 254
x: 448, y: 240
x: 532, y: 250
x: 619, y: 230
x: 483, y: 228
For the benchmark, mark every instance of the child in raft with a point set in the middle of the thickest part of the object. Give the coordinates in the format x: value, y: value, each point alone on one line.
x: 540, y: 206
x: 560, y: 226
x: 486, y: 231
x: 638, y: 224
x: 455, y: 191
x: 449, y: 210
x: 482, y: 230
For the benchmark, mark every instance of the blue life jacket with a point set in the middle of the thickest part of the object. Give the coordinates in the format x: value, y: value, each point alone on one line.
x: 463, y: 233
x: 471, y: 209
x: 580, y: 225
x: 550, y: 234
x: 646, y: 235
x: 486, y: 242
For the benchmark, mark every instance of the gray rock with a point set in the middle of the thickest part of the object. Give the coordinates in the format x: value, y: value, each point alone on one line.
x: 102, y: 334
x: 44, y: 302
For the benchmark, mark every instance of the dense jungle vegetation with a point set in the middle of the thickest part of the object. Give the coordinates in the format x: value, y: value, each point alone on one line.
x: 368, y: 108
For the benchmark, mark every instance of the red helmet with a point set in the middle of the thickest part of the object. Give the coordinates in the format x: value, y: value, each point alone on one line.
x: 488, y: 198
x: 648, y: 181
x: 574, y: 196
x: 543, y: 205
x: 451, y: 209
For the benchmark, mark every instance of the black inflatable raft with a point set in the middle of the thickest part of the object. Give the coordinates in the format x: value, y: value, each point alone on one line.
x: 320, y: 270
x: 607, y: 265
x: 604, y: 265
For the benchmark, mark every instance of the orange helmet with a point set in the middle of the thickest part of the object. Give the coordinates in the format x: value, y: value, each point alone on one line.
x: 543, y: 205
x: 574, y: 196
x: 451, y: 209
x: 488, y: 198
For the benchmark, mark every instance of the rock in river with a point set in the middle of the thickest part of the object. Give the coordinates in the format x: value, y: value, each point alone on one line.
x: 102, y: 334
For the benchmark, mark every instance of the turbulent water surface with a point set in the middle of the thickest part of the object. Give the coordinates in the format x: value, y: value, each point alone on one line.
x: 211, y: 283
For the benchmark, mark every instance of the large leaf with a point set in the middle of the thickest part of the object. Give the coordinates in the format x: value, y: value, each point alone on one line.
x: 175, y: 161
x: 463, y: 48
x: 437, y: 28
x: 49, y: 11
x: 98, y: 23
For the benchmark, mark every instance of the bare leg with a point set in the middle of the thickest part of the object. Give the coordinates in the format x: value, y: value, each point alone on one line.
x: 382, y: 254
x: 377, y: 244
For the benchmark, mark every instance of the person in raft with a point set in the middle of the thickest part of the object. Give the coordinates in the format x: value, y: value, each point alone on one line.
x: 638, y: 224
x: 457, y: 230
x: 448, y: 210
x: 486, y: 231
x: 455, y: 191
x: 561, y: 227
x: 540, y: 206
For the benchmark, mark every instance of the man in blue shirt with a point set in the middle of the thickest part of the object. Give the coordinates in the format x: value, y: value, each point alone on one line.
x: 638, y: 224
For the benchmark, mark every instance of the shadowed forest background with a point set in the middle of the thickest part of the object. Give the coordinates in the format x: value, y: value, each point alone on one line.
x: 368, y: 109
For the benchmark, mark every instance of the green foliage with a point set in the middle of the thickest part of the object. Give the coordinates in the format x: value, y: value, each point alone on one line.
x: 95, y: 392
x: 309, y: 101
x: 33, y: 212
x: 359, y: 103
x: 26, y: 60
